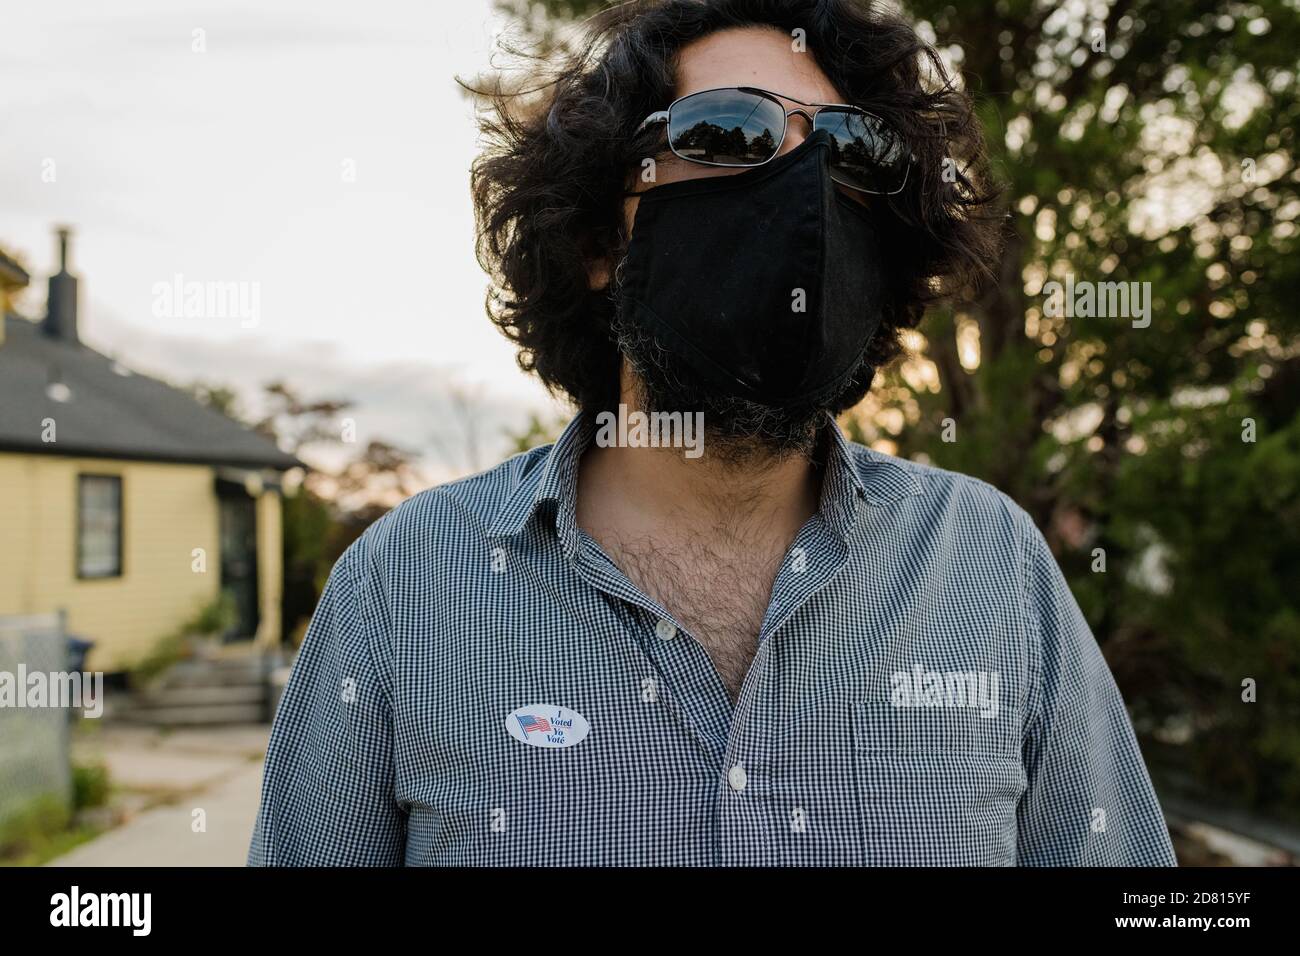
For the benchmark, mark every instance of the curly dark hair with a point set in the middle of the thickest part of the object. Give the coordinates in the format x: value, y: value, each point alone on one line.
x: 563, y: 153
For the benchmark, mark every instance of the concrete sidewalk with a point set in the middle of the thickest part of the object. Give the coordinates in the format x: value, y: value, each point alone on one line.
x: 162, y: 781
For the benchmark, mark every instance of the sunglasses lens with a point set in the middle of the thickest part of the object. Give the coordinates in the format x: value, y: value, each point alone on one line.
x: 726, y: 127
x: 865, y: 153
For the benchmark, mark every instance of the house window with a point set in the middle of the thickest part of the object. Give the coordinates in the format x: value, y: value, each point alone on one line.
x: 99, y: 526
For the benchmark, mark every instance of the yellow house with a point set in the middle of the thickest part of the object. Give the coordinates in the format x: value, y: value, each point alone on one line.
x: 124, y: 502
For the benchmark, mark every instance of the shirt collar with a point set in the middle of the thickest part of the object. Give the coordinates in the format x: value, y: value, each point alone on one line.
x: 553, y: 483
x: 875, y: 478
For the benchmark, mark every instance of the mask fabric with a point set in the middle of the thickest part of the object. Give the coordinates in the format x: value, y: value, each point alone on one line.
x: 767, y: 284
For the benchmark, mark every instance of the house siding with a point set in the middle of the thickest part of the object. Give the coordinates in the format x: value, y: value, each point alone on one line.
x: 168, y: 510
x: 270, y: 561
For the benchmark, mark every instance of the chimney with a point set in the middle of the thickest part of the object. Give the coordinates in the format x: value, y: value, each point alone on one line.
x: 61, y: 306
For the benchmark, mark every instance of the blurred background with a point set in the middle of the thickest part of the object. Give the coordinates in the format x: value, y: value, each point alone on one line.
x: 242, y: 318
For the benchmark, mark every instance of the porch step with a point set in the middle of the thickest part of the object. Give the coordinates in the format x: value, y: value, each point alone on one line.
x: 205, y: 690
x: 196, y: 695
x: 218, y: 673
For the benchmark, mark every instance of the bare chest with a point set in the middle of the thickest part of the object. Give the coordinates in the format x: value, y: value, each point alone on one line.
x: 719, y: 594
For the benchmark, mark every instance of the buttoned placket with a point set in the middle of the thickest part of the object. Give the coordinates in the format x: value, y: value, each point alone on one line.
x: 746, y: 814
x: 740, y: 749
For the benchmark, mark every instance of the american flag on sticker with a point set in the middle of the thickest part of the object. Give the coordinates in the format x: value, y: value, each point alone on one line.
x: 530, y: 723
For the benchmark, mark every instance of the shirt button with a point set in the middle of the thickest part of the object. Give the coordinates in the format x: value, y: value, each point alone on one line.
x: 737, y: 777
x: 666, y: 629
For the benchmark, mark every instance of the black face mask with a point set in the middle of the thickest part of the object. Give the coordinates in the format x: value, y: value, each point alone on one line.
x: 767, y: 284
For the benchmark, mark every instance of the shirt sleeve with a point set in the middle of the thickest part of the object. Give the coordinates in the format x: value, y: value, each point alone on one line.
x: 328, y: 785
x: 1089, y: 799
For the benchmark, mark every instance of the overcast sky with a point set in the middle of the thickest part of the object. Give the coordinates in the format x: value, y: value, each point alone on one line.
x: 231, y: 165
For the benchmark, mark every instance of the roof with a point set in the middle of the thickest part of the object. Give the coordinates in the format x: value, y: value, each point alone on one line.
x: 106, y: 411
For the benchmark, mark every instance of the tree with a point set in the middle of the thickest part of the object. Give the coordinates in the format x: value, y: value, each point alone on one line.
x: 1150, y: 143
x: 294, y: 422
x: 330, y: 510
x: 539, y: 431
x: 382, y: 476
x: 459, y: 439
x: 764, y: 143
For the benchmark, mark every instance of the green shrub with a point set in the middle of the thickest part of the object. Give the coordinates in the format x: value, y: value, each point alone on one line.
x: 212, y: 620
x: 33, y: 826
x: 90, y: 786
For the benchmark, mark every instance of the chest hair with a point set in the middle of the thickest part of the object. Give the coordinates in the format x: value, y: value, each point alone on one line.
x: 718, y: 586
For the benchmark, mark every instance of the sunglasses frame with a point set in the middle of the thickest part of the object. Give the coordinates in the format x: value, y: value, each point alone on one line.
x: 665, y: 116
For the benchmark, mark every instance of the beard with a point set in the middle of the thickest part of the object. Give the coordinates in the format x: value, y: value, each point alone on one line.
x: 738, y: 432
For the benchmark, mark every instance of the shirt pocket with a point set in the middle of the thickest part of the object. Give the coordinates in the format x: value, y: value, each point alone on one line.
x: 936, y: 786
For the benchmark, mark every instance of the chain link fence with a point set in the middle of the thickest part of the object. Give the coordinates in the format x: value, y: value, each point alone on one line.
x: 34, y: 758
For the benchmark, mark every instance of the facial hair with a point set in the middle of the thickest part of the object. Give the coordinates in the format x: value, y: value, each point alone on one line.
x: 738, y: 432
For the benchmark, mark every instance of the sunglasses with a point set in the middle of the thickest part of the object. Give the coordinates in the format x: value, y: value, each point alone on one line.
x: 743, y: 126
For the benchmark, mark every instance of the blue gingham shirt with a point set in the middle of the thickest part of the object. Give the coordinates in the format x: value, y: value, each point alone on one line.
x: 480, y: 600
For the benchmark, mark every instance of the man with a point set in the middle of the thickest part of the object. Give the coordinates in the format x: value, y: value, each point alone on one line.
x: 768, y: 647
